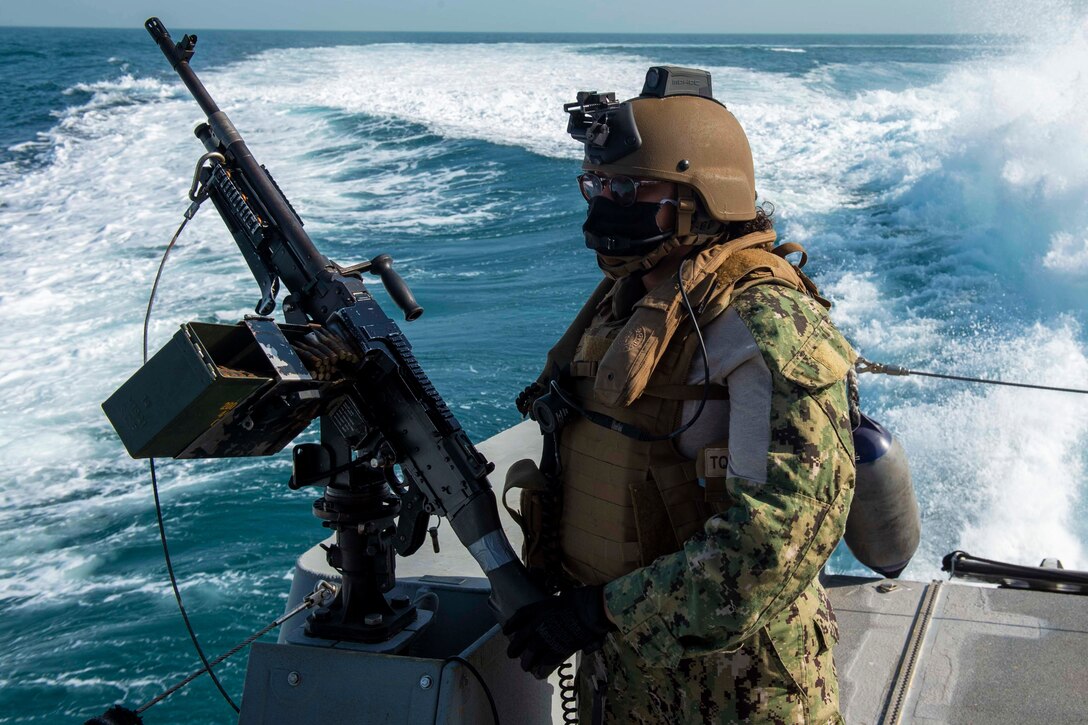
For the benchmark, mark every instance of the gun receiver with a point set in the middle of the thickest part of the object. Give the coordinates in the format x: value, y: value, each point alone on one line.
x: 387, y: 412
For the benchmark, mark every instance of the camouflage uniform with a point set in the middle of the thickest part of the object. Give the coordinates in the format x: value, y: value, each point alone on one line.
x: 734, y: 626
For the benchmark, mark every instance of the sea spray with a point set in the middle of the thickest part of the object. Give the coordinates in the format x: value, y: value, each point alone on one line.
x: 943, y: 209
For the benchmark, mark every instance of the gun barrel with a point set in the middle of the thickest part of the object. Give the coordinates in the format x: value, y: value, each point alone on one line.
x: 303, y: 263
x: 162, y: 37
x: 178, y: 55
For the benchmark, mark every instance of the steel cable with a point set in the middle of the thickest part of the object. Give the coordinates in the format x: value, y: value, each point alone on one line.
x: 868, y: 366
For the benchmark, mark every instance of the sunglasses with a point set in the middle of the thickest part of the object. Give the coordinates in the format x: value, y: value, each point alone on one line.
x: 624, y: 189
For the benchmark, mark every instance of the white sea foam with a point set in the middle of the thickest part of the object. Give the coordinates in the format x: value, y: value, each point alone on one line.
x: 1000, y: 470
x: 502, y: 93
x: 990, y: 157
x: 1067, y: 254
x: 873, y: 325
x: 990, y: 164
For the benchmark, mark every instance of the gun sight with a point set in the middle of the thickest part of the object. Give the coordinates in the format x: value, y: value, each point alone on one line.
x: 176, y: 54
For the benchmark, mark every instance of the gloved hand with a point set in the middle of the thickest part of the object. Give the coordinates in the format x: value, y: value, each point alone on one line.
x: 545, y: 634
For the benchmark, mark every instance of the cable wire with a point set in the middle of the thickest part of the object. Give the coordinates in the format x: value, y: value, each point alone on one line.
x: 487, y: 691
x: 158, y: 276
x: 154, y: 478
x: 177, y: 591
x: 868, y: 366
x: 322, y: 593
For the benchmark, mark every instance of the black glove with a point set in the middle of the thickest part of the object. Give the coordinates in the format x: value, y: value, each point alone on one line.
x: 524, y: 401
x: 545, y: 634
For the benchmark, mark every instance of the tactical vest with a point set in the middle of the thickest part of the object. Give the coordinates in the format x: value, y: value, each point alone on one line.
x: 626, y: 501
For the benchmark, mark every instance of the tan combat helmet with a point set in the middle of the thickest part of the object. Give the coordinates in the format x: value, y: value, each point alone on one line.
x: 673, y: 131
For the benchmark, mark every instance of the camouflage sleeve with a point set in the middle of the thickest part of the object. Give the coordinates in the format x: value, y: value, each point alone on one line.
x: 758, y: 555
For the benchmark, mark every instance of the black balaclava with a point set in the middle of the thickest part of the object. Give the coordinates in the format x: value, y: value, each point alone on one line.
x: 622, y: 231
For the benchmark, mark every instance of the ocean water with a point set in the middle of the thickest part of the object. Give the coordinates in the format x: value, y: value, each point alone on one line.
x: 939, y: 184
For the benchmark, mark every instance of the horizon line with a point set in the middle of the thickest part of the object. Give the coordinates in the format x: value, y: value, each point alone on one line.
x: 521, y: 32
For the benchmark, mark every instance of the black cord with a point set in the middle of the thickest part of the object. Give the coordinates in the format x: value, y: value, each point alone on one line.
x: 568, y: 698
x: 702, y: 348
x: 155, y: 483
x: 158, y: 275
x: 631, y: 431
x: 998, y: 382
x: 177, y: 592
x: 480, y: 679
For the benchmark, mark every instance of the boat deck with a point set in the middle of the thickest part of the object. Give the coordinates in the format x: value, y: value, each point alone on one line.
x: 947, y: 652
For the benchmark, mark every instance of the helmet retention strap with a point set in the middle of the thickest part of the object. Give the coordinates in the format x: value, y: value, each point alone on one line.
x: 685, y: 209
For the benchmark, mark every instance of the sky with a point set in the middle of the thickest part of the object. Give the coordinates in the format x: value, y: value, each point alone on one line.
x: 617, y: 16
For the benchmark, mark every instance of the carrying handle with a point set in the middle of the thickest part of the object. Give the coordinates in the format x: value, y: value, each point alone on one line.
x: 398, y: 290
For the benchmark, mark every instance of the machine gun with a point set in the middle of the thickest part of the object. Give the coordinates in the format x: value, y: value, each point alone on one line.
x: 190, y: 400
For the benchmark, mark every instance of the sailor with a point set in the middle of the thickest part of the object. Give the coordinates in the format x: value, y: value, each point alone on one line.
x: 698, y: 463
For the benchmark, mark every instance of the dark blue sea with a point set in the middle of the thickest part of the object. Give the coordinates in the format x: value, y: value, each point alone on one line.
x: 939, y: 183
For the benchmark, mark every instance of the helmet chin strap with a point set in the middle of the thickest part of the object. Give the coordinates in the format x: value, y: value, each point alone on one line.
x: 615, y: 267
x: 685, y: 209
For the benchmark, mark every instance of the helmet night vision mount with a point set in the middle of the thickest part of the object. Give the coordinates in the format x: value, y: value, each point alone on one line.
x: 608, y: 128
x: 675, y: 131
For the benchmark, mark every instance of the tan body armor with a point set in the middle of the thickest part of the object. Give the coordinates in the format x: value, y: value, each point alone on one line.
x: 627, y: 501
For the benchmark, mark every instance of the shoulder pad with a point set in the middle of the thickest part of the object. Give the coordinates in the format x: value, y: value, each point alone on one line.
x: 795, y: 335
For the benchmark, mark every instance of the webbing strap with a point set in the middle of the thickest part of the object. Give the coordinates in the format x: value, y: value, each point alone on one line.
x: 563, y: 351
x: 790, y: 248
x: 522, y: 475
x: 626, y: 368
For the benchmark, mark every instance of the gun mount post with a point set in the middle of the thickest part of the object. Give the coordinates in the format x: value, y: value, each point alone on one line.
x: 361, y: 510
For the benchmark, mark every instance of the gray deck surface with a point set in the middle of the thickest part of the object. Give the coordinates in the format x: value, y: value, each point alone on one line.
x: 989, y: 656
